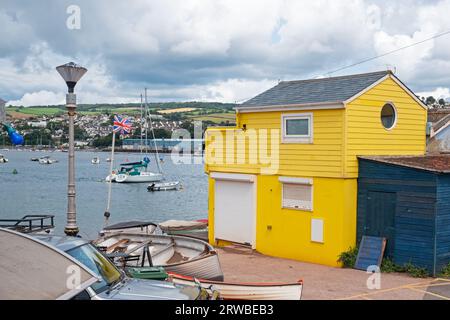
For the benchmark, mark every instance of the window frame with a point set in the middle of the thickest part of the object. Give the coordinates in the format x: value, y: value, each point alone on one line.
x: 308, y: 138
x: 395, y: 115
x: 297, y: 181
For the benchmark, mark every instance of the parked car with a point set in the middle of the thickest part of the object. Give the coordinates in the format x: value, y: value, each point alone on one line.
x: 114, y: 283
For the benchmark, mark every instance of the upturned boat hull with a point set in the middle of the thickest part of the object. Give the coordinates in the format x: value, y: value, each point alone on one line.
x: 134, y: 227
x: 244, y: 291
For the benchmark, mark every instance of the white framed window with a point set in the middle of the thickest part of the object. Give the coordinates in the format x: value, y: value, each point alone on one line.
x: 297, y: 128
x: 388, y: 116
x: 297, y: 193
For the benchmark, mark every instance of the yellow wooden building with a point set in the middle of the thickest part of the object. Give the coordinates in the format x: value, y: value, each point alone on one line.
x: 284, y: 180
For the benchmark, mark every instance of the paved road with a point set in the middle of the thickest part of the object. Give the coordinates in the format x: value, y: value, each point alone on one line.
x: 322, y: 282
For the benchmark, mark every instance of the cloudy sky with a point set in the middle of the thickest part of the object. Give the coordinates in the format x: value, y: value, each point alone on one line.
x: 214, y: 50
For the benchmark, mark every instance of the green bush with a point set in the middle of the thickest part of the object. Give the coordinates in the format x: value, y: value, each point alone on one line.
x: 445, y: 272
x: 348, y: 258
x: 389, y: 266
x: 415, y: 271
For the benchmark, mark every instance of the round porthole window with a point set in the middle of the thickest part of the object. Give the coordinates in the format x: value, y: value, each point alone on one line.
x: 388, y: 116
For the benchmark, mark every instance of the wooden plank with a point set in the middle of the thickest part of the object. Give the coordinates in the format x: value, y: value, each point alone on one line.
x: 119, y: 243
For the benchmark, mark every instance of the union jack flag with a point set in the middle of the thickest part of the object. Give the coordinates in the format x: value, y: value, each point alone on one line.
x: 121, y: 125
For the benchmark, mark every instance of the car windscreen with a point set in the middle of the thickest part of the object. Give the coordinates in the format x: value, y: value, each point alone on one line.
x: 94, y: 260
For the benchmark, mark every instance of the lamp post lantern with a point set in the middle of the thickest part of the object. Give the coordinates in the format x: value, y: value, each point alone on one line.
x: 71, y: 73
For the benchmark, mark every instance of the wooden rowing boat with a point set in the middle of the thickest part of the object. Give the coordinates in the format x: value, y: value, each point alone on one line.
x: 242, y: 290
x: 177, y: 254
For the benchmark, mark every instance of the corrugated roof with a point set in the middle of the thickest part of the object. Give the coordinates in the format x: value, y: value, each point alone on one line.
x: 435, y: 163
x: 334, y: 89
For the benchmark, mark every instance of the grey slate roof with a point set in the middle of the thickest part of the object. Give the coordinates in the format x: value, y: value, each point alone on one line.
x: 334, y: 89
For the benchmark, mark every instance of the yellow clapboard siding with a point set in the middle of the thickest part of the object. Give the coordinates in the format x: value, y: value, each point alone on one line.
x: 375, y: 108
x: 321, y: 157
x: 404, y: 139
x: 407, y: 119
x: 374, y: 100
x: 367, y: 136
x: 276, y: 118
x: 336, y: 141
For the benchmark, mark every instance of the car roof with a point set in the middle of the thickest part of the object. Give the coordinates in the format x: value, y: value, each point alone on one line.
x: 63, y: 243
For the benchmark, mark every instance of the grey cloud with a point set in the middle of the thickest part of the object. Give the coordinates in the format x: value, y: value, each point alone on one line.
x: 184, y: 44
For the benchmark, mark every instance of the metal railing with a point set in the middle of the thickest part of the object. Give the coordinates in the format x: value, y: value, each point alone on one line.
x: 29, y: 223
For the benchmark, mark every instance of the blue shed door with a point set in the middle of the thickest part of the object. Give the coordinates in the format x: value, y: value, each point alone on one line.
x: 380, y: 219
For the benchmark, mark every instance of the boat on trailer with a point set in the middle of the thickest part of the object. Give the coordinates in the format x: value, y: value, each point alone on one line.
x: 244, y: 290
x: 177, y: 254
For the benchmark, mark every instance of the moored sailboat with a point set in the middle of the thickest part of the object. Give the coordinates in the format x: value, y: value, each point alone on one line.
x: 136, y: 172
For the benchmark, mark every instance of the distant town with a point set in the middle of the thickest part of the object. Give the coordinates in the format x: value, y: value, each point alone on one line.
x: 47, y: 126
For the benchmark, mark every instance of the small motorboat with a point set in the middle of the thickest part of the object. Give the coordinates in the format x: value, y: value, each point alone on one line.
x: 95, y: 160
x: 3, y: 159
x: 139, y: 227
x: 108, y: 160
x: 111, y: 177
x: 244, y: 290
x: 164, y: 186
x: 47, y: 160
x: 182, y: 255
x: 34, y: 159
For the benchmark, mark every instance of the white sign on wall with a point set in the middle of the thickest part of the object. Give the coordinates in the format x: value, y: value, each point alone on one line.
x: 317, y: 230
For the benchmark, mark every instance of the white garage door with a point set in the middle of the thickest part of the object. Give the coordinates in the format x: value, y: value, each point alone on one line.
x: 235, y: 209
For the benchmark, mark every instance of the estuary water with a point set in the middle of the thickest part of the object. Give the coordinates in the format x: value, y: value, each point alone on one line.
x: 42, y: 189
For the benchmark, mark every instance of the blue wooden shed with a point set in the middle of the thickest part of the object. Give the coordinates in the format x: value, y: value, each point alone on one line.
x: 407, y: 200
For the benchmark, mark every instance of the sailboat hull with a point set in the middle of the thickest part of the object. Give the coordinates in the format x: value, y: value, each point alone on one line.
x: 142, y: 177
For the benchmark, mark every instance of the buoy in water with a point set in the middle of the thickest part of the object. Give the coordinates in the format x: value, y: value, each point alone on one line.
x: 15, y: 171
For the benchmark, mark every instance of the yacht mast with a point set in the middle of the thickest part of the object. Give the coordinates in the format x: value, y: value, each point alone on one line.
x: 153, y: 133
x: 142, y: 124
